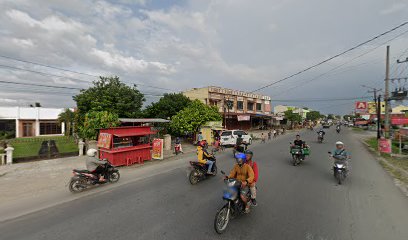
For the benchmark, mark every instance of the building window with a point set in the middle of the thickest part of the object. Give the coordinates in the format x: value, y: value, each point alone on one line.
x: 240, y: 105
x: 229, y: 104
x: 48, y: 128
x: 259, y: 107
x: 250, y: 106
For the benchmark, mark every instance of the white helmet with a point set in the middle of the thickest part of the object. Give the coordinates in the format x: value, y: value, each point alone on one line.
x: 339, y: 143
x: 91, y: 152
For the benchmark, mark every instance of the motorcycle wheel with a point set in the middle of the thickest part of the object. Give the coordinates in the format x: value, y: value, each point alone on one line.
x: 193, y: 177
x: 114, y: 177
x: 75, y: 185
x: 221, y: 220
x: 339, y: 178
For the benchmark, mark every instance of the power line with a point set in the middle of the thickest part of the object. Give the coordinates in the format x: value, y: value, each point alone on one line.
x: 320, y: 100
x: 331, y: 58
x: 67, y: 70
x: 345, y: 63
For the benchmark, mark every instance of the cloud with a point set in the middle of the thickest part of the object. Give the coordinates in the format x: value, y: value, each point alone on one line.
x: 395, y: 7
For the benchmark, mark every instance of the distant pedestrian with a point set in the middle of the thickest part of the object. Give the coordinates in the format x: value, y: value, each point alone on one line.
x: 269, y: 135
x: 275, y: 133
x: 263, y: 138
x: 200, y: 137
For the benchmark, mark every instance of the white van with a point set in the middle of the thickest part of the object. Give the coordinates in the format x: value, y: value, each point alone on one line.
x: 229, y: 137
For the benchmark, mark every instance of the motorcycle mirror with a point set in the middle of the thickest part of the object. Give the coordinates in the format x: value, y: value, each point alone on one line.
x: 222, y: 172
x: 329, y: 152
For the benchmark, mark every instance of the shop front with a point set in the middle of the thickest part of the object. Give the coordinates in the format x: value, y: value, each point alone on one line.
x: 211, y: 130
x: 124, y: 146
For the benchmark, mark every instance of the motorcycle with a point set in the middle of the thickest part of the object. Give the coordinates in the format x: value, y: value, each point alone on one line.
x: 237, y: 149
x: 199, y: 171
x: 83, y: 179
x: 320, y: 137
x: 233, y: 207
x: 338, y: 129
x: 339, y: 169
x: 297, y: 154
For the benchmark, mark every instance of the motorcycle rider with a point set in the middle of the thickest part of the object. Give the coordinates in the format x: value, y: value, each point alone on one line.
x: 338, y: 128
x: 244, y: 173
x: 239, y: 145
x: 249, y: 154
x: 178, y: 143
x: 203, y: 156
x: 322, y: 132
x: 94, y: 165
x: 341, y: 154
x: 298, y: 141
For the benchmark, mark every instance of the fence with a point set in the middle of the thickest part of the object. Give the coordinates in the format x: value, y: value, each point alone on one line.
x: 26, y: 149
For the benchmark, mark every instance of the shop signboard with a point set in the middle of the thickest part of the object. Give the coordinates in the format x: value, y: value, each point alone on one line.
x: 157, y: 149
x: 244, y: 117
x: 104, y: 140
x: 399, y: 121
x: 361, y: 107
x: 384, y: 145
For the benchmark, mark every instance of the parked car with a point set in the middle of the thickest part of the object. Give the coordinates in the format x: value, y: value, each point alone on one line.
x: 229, y: 137
x: 351, y: 124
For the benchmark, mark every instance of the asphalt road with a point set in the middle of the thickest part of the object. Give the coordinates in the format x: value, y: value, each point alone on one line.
x: 302, y: 202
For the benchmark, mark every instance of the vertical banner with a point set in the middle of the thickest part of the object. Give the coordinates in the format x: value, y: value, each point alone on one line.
x: 104, y: 140
x: 157, y: 149
x: 384, y: 145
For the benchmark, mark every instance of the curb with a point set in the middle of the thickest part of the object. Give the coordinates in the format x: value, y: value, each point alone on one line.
x: 401, y: 185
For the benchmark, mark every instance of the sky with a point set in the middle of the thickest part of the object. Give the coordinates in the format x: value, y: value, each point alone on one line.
x: 167, y: 46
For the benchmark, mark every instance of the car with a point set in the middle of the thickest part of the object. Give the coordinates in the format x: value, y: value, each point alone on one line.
x: 351, y: 124
x: 326, y: 125
x: 229, y: 137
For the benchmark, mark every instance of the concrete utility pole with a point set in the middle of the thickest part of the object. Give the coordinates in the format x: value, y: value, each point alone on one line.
x: 387, y: 94
x: 377, y: 107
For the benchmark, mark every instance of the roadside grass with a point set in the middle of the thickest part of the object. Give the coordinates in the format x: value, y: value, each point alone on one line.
x: 356, y: 129
x: 30, y: 147
x: 397, y: 163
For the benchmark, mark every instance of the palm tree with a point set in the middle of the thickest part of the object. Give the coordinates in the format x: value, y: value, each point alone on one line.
x: 67, y: 117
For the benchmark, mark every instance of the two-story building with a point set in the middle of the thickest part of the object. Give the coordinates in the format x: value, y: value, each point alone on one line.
x: 241, y: 110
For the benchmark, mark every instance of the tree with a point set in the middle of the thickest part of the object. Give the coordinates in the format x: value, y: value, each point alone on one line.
x: 36, y: 104
x: 192, y: 117
x: 95, y: 120
x: 313, y: 115
x: 330, y: 116
x: 109, y: 94
x: 67, y: 117
x: 168, y: 106
x: 292, y: 117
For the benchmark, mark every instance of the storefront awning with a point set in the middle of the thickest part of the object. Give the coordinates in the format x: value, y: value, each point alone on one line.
x: 144, y: 133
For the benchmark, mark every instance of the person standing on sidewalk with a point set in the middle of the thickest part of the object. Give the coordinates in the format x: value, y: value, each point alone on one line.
x: 263, y: 138
x: 269, y: 135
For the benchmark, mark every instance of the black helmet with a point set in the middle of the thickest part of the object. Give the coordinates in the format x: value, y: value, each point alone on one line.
x: 249, y: 152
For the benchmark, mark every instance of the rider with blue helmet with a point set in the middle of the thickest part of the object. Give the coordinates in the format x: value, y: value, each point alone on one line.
x: 244, y: 173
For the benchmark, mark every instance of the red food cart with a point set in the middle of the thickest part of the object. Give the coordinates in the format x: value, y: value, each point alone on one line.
x: 125, y: 145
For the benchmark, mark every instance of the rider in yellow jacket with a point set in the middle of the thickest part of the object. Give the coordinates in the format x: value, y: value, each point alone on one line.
x: 203, y: 156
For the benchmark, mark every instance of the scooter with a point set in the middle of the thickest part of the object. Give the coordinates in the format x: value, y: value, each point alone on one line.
x: 338, y: 129
x: 339, y: 169
x: 234, y: 205
x: 84, y: 179
x: 297, y: 154
x: 199, y: 171
x: 320, y: 137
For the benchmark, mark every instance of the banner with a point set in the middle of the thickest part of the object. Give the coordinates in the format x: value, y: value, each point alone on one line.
x: 243, y: 117
x: 361, y: 107
x: 399, y: 121
x: 157, y: 149
x: 104, y: 140
x: 384, y: 145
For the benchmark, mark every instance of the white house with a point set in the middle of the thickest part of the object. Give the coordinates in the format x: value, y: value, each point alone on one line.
x: 31, y: 121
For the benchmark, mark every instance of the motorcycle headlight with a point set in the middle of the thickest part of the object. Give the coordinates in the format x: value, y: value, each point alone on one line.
x: 340, y: 165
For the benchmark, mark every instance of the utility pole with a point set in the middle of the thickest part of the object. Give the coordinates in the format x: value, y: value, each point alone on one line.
x: 378, y: 117
x: 225, y: 116
x: 387, y: 94
x: 377, y: 105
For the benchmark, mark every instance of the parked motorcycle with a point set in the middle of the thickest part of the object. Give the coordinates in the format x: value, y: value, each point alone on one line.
x: 83, y: 179
x: 320, y: 137
x: 233, y: 207
x: 199, y: 171
x: 339, y: 169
